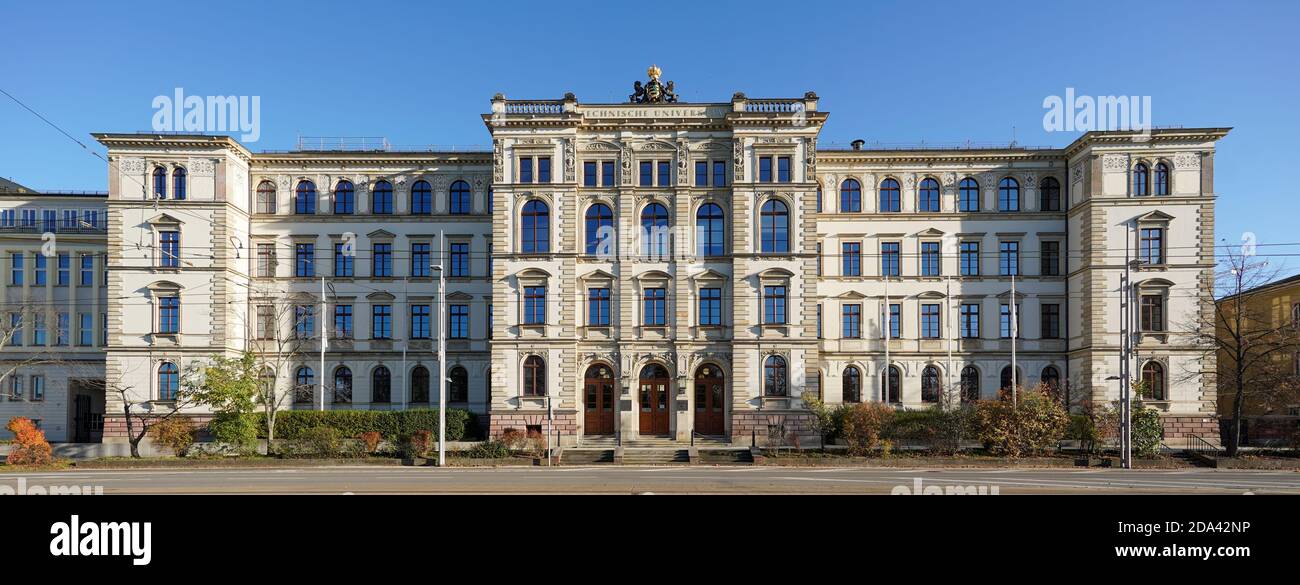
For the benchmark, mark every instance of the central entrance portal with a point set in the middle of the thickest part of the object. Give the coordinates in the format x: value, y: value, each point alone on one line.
x: 654, y: 400
x: 598, y: 394
x: 709, y: 403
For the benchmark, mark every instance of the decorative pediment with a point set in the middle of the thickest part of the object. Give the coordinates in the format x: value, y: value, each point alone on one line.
x: 460, y: 296
x: 929, y: 233
x: 381, y: 235
x: 164, y: 219
x: 597, y: 274
x: 931, y: 294
x: 601, y: 147
x: 380, y: 296
x: 852, y: 295
x: 658, y: 145
x: 654, y: 275
x: 1155, y: 283
x: 776, y: 273
x: 1006, y: 295
x: 164, y: 286
x: 533, y: 272
x: 1156, y: 216
x: 709, y: 274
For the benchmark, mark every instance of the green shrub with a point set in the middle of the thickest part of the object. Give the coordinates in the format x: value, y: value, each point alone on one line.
x: 392, y: 425
x: 417, y: 444
x: 176, y: 434
x: 1147, y: 431
x: 1034, y: 424
x: 234, y: 431
x: 946, y: 430
x: 864, y: 425
x: 324, y: 442
x: 489, y: 450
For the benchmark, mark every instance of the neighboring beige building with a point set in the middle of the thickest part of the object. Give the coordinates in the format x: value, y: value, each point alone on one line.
x: 764, y: 275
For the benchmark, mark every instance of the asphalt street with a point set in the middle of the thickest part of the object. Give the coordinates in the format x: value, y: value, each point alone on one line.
x: 657, y: 480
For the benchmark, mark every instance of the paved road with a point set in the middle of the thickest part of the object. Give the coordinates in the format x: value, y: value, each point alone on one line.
x: 657, y: 480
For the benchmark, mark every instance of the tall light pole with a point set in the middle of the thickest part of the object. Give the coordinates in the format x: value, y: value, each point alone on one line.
x: 442, y: 353
x: 324, y: 338
x: 1015, y: 330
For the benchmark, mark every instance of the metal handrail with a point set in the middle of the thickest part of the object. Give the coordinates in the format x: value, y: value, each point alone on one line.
x: 1198, y: 445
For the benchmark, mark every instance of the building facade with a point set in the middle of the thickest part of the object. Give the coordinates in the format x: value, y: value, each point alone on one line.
x: 659, y: 268
x: 1266, y: 341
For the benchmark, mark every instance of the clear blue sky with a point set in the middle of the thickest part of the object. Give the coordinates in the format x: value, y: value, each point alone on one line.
x: 898, y: 72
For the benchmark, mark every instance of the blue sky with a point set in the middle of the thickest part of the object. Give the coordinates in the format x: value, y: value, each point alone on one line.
x: 893, y: 72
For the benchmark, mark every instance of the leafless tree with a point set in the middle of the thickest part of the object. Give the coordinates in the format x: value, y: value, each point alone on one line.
x: 17, y: 356
x: 141, y: 415
x: 284, y: 328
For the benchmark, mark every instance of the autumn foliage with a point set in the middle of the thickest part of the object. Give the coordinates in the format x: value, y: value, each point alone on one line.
x: 30, y: 446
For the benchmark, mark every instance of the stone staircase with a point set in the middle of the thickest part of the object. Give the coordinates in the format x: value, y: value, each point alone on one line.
x: 605, y: 449
x: 651, y: 456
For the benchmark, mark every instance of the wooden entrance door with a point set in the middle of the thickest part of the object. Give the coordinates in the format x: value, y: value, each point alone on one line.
x: 654, y: 385
x: 710, y: 403
x: 598, y: 397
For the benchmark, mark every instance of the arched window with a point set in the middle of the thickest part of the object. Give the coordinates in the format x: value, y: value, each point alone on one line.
x: 654, y: 230
x: 345, y: 200
x: 304, y: 385
x: 891, y: 385
x: 850, y: 196
x: 381, y: 385
x: 710, y: 226
x: 600, y: 229
x: 160, y: 182
x: 928, y: 197
x: 1153, y: 377
x: 774, y: 376
x: 460, y: 199
x: 930, y: 386
x: 891, y: 200
x: 1049, y: 195
x: 534, y: 376
x: 970, y: 384
x: 536, y: 233
x: 304, y: 199
x: 178, y: 183
x: 169, y: 381
x: 968, y: 195
x: 343, y: 384
x: 852, y: 384
x: 1141, y: 180
x: 775, y: 226
x: 1162, y: 179
x: 458, y: 385
x: 266, y: 197
x: 1006, y: 382
x: 1008, y: 195
x: 381, y: 198
x: 421, y: 198
x: 420, y: 384
x: 1051, y: 377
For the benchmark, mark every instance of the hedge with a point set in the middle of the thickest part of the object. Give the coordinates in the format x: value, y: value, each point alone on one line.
x: 392, y: 424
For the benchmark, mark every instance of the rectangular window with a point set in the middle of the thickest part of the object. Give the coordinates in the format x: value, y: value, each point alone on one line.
x: 304, y: 321
x: 719, y: 173
x: 1153, y: 313
x: 534, y: 305
x: 647, y: 174
x: 664, y: 173
x: 265, y: 322
x: 819, y: 321
x: 381, y: 322
x: 1051, y: 321
x: 459, y: 259
x: 970, y: 320
x: 16, y: 326
x: 1151, y: 249
x: 39, y: 269
x: 383, y: 261
x: 344, y: 261
x: 16, y: 386
x: 38, y: 388
x: 304, y: 260
x: 65, y: 270
x: 930, y: 321
x: 266, y: 260
x: 889, y: 259
x: 543, y: 169
x: 459, y: 322
x: 589, y: 175
x: 87, y: 270
x: 765, y: 169
x: 85, y: 329
x: 49, y: 220
x: 783, y: 169
x: 27, y: 218
x: 607, y: 173
x: 103, y: 328
x: 851, y: 321
x: 598, y: 307
x: 970, y: 258
x: 852, y: 260
x: 1009, y: 258
x: 170, y: 252
x: 1051, y: 259
x: 525, y: 169
x: 6, y: 218
x: 895, y: 321
x: 421, y: 259
x: 774, y: 305
x: 701, y: 173
x: 62, y: 329
x: 69, y: 219
x: 1004, y: 321
x: 343, y: 321
x: 420, y: 321
x: 169, y: 314
x: 16, y: 268
x: 930, y: 264
x: 654, y: 307
x: 711, y: 306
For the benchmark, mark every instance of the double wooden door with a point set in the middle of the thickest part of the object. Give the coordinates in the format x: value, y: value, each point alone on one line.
x: 655, y: 387
x: 598, y: 398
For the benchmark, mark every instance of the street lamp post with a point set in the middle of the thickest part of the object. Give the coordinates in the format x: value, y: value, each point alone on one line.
x: 442, y: 359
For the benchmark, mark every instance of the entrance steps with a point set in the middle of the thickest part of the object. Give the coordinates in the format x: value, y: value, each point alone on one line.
x: 652, y: 450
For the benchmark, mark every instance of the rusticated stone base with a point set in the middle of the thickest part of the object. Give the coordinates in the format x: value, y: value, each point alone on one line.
x: 1204, y: 426
x: 564, y: 424
x: 115, y: 424
x: 763, y: 427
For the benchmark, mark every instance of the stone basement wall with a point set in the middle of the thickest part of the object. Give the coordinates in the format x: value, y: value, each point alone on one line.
x: 564, y: 424
x: 747, y: 424
x: 1177, y: 427
x: 115, y: 424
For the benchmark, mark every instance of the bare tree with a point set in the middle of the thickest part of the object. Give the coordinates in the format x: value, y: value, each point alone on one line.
x: 1249, y: 339
x: 284, y: 328
x: 141, y: 415
x: 14, y: 320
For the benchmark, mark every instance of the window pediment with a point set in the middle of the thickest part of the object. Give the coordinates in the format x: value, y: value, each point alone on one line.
x: 164, y: 220
x: 1156, y: 216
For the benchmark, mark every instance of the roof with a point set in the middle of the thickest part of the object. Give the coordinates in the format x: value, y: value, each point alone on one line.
x: 1290, y: 280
